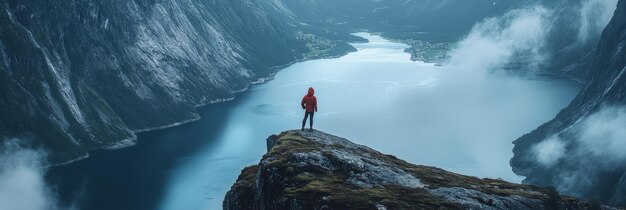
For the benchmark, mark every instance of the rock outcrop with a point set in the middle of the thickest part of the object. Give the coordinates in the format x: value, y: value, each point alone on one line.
x: 315, y: 170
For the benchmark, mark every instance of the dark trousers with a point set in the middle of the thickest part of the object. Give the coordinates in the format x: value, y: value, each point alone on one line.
x: 306, y: 115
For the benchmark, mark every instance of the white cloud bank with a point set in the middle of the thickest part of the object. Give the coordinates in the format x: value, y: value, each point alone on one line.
x: 519, y: 37
x: 603, y: 135
x: 497, y: 41
x: 549, y: 151
x: 595, y: 147
x: 22, y: 183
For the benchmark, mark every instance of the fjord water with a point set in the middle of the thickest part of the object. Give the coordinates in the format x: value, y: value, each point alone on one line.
x: 376, y: 96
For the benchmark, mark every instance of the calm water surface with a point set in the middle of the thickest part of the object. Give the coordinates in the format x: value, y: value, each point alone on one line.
x: 376, y: 96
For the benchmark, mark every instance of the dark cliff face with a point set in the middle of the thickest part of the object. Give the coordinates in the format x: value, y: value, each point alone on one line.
x: 315, y: 170
x: 78, y: 75
x: 578, y: 152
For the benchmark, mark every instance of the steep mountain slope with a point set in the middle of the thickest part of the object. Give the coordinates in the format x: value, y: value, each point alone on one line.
x: 575, y: 30
x: 580, y: 152
x: 78, y: 75
x: 316, y: 170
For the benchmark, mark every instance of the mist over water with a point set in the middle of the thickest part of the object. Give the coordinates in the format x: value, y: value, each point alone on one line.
x: 517, y: 36
x: 22, y: 183
x: 439, y: 116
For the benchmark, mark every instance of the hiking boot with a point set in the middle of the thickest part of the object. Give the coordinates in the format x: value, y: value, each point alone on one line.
x: 302, y: 129
x: 310, y: 129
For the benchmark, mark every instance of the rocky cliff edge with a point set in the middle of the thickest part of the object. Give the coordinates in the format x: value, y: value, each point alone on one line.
x: 316, y: 170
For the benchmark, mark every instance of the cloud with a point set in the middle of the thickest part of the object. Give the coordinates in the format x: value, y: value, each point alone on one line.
x: 518, y: 39
x: 22, y: 183
x: 603, y: 135
x: 549, y: 150
x: 595, y: 149
x: 594, y: 16
x: 498, y: 41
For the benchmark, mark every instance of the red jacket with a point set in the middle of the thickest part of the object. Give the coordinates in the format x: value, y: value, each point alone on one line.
x: 309, y: 102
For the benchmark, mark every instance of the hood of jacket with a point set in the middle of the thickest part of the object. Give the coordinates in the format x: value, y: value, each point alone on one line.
x: 311, y: 92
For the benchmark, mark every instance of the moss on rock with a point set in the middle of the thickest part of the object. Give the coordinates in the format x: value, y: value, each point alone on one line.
x: 315, y: 170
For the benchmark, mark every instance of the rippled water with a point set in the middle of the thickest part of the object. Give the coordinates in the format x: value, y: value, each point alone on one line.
x: 375, y: 96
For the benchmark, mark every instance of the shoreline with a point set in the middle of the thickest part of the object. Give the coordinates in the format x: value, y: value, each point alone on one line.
x: 130, y: 142
x: 68, y: 162
x: 195, y: 118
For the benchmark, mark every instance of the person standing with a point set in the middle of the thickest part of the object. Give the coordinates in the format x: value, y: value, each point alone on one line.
x: 309, y: 104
